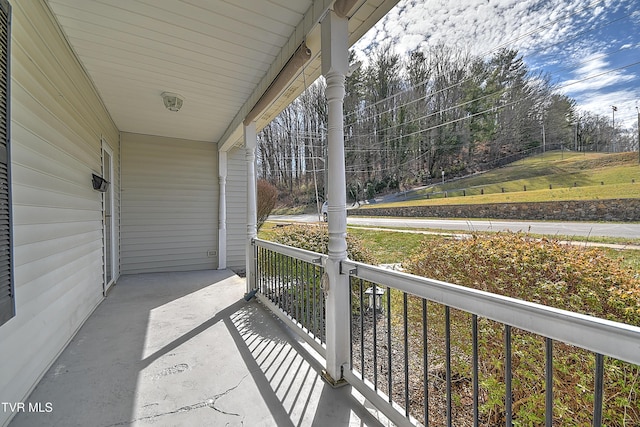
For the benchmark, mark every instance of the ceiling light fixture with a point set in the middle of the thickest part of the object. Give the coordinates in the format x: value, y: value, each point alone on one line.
x: 172, y: 101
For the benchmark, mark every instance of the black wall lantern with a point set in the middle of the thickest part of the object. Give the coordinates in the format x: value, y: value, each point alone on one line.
x: 99, y: 183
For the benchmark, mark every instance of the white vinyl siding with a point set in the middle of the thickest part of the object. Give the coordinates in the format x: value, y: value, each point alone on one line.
x: 169, y: 204
x: 236, y: 209
x: 57, y: 124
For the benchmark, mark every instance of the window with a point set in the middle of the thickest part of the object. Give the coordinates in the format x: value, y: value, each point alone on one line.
x: 7, y: 300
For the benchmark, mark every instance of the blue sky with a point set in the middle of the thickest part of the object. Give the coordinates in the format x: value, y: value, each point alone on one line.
x: 587, y: 46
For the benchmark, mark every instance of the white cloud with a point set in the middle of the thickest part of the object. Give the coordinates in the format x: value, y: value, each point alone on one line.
x: 575, y: 40
x: 594, y: 74
x: 481, y: 26
x: 624, y: 100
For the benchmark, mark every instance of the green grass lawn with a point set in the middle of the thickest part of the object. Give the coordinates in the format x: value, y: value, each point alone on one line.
x: 551, y: 177
x: 392, y: 246
x: 596, y: 192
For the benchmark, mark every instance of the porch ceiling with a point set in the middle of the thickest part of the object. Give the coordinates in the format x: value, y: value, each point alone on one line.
x: 219, y: 55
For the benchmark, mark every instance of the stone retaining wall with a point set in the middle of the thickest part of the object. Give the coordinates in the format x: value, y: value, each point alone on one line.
x: 580, y: 210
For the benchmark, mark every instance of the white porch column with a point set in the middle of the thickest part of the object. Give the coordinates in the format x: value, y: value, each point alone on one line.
x: 335, y: 64
x: 250, y: 143
x: 222, y: 214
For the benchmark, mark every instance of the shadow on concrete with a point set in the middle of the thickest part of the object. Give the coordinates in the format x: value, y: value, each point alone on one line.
x: 186, y: 349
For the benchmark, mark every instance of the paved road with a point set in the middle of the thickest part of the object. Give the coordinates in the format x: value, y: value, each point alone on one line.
x: 536, y: 227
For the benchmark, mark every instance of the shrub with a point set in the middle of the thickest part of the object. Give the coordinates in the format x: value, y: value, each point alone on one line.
x: 267, y: 197
x: 546, y: 272
x: 538, y: 270
x: 316, y: 239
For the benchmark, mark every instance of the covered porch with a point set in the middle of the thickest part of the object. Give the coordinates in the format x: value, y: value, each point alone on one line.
x: 187, y: 349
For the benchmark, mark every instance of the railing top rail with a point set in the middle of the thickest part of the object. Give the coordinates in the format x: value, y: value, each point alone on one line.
x: 614, y: 339
x: 301, y: 254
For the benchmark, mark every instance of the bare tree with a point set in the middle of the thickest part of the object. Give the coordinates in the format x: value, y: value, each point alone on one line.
x: 267, y: 198
x: 406, y: 119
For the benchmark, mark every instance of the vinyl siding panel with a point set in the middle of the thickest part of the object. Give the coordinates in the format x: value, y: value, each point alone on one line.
x: 169, y: 204
x: 56, y: 129
x: 236, y: 209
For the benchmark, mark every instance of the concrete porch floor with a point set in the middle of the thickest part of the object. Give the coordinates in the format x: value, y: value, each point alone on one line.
x: 185, y: 349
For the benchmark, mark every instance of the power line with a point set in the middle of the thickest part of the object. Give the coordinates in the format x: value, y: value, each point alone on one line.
x: 308, y: 135
x: 490, y: 109
x: 435, y: 113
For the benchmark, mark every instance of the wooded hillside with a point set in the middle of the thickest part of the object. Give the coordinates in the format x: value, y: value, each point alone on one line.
x: 409, y: 119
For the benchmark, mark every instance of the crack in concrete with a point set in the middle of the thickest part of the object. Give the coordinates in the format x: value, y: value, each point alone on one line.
x: 210, y: 403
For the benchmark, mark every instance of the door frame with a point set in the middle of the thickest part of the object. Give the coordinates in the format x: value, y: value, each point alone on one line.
x: 108, y: 198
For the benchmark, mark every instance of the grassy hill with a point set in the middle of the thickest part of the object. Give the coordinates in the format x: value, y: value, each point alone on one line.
x: 554, y: 176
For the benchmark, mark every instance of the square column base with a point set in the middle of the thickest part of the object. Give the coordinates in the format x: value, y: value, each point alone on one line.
x: 333, y: 383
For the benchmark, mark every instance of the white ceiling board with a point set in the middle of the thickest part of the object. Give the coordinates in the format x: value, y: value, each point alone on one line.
x: 221, y: 55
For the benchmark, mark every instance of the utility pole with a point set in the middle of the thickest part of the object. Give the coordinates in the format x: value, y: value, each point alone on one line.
x: 638, y: 110
x: 613, y: 120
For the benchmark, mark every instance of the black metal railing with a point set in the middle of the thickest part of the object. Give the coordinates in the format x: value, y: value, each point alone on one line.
x: 433, y: 353
x: 290, y: 279
x: 440, y: 354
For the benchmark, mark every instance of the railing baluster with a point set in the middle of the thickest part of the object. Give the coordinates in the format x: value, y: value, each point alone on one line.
x: 406, y: 353
x: 270, y: 273
x: 315, y: 297
x: 351, y: 279
x: 302, y: 294
x: 507, y: 375
x: 362, y: 329
x: 389, y: 352
x: 476, y: 386
x: 323, y: 317
x: 310, y: 278
x: 289, y: 286
x: 294, y: 290
x: 598, y: 392
x: 283, y: 277
x: 257, y: 271
x: 297, y: 300
x: 263, y: 271
x: 447, y: 338
x: 375, y: 345
x: 255, y: 265
x: 302, y: 289
x: 549, y: 383
x: 280, y: 265
x: 425, y: 362
x: 307, y: 295
x: 272, y: 277
x: 285, y: 286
